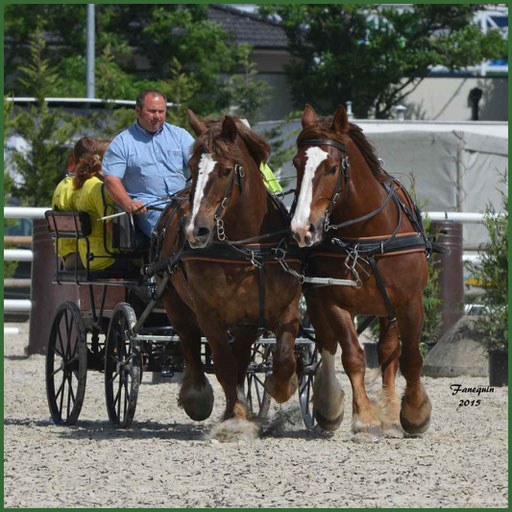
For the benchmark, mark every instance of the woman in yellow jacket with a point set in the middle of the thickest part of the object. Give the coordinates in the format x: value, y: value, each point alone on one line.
x: 91, y: 197
x: 63, y: 199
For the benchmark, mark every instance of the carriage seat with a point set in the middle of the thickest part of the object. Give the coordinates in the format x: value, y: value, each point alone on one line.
x: 76, y: 225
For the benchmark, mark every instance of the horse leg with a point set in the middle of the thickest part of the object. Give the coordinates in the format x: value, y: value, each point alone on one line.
x: 416, y: 407
x: 241, y: 348
x: 387, y: 404
x: 283, y: 381
x: 354, y: 362
x: 196, y: 393
x: 328, y: 397
x: 226, y: 366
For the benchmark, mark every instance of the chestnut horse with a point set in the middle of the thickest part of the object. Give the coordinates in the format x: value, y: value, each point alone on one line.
x: 361, y: 224
x: 226, y: 282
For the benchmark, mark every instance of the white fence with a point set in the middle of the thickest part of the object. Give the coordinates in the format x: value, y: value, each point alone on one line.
x: 11, y: 212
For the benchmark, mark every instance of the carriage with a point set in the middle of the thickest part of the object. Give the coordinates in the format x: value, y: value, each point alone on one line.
x: 102, y: 333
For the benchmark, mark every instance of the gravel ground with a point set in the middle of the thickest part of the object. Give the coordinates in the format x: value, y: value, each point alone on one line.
x: 167, y: 460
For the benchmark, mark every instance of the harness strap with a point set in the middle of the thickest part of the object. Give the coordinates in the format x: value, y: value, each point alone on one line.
x: 261, y: 289
x: 382, y: 289
x: 323, y: 142
x: 364, y: 217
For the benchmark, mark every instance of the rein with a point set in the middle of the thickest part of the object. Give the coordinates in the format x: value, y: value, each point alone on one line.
x: 239, y: 177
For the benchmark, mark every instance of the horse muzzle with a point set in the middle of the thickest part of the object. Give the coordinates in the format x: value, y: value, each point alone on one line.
x: 307, y: 234
x: 199, y: 235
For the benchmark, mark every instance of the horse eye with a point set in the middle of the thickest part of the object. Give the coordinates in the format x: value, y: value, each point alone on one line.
x: 226, y: 172
x: 332, y: 170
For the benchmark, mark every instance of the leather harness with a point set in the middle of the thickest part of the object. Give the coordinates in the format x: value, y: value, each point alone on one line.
x: 352, y: 248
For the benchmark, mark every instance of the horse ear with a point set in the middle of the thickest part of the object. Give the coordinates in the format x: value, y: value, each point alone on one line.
x: 340, y: 122
x: 308, y: 116
x: 198, y: 126
x: 229, y: 130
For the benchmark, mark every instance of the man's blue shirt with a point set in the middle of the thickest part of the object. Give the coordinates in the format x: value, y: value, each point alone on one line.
x: 149, y: 165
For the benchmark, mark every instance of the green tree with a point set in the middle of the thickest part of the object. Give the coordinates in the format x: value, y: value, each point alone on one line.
x: 246, y: 94
x: 46, y: 131
x: 138, y: 46
x: 375, y: 55
x: 492, y: 273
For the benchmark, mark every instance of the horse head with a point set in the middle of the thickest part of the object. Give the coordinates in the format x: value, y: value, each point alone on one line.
x: 224, y: 151
x: 321, y: 165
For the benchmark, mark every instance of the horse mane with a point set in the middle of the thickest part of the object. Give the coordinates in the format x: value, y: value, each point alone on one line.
x: 323, y: 129
x: 211, y: 141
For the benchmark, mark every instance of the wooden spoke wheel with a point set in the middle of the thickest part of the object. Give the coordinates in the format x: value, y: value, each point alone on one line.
x: 66, y: 365
x: 257, y: 397
x: 122, y: 367
x: 310, y: 362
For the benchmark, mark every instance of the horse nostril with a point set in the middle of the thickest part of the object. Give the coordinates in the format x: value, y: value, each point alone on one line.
x: 307, y: 239
x: 202, y: 233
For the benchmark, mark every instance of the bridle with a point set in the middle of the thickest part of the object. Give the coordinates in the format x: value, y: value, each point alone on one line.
x: 238, y: 176
x: 342, y: 180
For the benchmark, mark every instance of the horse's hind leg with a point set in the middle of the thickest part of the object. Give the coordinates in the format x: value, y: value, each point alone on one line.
x: 241, y: 348
x: 283, y: 381
x: 354, y: 362
x: 387, y: 404
x: 196, y: 393
x: 328, y: 397
x: 416, y: 407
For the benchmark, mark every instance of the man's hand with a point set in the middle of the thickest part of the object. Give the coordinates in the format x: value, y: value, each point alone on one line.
x: 117, y: 192
x: 136, y: 207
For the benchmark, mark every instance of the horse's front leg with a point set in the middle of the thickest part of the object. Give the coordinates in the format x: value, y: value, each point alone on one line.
x: 241, y: 348
x: 353, y: 359
x: 226, y: 366
x: 328, y: 396
x: 416, y: 407
x: 283, y: 381
x: 196, y: 393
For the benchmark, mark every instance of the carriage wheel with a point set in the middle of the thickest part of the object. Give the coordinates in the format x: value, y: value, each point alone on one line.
x: 310, y: 362
x: 122, y: 367
x: 257, y: 397
x: 66, y: 365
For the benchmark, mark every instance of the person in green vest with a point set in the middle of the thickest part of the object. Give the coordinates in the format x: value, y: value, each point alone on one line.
x: 269, y: 179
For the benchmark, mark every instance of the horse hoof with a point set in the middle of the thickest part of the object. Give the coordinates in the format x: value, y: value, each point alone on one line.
x: 415, y: 421
x: 413, y: 429
x: 328, y: 424
x: 393, y: 431
x: 371, y: 430
x: 279, y: 392
x: 197, y: 402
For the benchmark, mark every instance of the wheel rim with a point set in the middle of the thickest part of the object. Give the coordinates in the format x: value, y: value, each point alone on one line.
x: 66, y: 365
x: 306, y: 388
x: 122, y: 369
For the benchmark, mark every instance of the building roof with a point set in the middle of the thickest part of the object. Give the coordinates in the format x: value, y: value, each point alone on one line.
x: 248, y: 27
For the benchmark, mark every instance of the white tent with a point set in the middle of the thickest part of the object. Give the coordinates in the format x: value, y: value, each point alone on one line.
x: 454, y: 166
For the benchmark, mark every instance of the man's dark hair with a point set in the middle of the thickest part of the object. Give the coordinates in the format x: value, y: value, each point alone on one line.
x: 142, y: 96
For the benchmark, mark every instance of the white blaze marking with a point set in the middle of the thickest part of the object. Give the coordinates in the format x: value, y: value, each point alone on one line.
x: 315, y: 156
x: 206, y: 166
